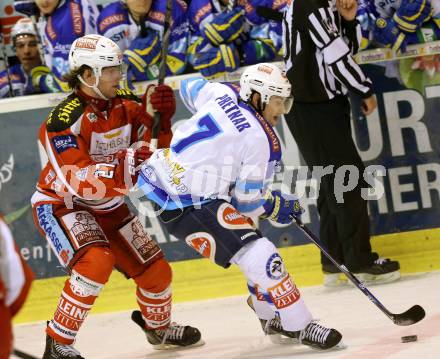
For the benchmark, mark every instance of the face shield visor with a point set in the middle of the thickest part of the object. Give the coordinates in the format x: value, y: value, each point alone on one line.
x: 280, y: 105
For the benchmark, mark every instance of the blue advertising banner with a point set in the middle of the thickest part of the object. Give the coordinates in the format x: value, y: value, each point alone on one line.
x: 402, y: 136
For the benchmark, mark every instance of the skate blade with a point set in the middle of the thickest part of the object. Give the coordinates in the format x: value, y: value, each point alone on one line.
x: 340, y: 346
x: 370, y: 280
x: 177, y: 347
x: 280, y: 339
x: 335, y: 280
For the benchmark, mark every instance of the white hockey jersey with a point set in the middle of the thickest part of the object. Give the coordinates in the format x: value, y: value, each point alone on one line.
x: 226, y: 150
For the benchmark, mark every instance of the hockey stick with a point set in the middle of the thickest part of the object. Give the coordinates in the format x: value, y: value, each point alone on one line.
x: 162, y: 72
x: 413, y: 315
x: 269, y: 13
x: 22, y: 355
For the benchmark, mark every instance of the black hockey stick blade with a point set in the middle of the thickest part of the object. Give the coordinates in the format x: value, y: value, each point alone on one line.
x: 413, y: 315
x: 269, y: 13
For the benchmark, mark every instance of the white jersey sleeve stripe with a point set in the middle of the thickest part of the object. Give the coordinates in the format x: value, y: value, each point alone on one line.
x: 189, y: 91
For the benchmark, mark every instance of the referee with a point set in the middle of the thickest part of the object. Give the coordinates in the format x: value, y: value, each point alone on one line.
x: 320, y: 37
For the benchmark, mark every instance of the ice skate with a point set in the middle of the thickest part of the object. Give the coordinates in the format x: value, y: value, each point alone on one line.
x: 320, y: 337
x: 55, y: 350
x: 333, y: 277
x: 383, y: 270
x: 175, y: 336
x: 274, y: 330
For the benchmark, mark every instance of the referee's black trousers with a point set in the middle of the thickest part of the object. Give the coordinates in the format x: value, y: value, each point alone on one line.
x: 323, y: 133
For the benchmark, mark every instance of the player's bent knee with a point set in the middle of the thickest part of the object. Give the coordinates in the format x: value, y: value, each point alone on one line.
x: 96, y: 264
x: 261, y: 263
x: 156, y: 277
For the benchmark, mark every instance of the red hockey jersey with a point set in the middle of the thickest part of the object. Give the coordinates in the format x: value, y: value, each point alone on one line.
x: 82, y: 137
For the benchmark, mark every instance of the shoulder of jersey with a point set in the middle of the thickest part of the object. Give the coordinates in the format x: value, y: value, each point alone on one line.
x: 127, y: 95
x: 111, y: 15
x: 65, y: 114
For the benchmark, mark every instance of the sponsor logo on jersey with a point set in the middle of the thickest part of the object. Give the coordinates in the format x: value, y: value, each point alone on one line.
x: 49, y: 177
x: 175, y: 171
x: 203, y: 243
x: 156, y: 16
x: 72, y: 310
x: 107, y: 143
x: 109, y: 20
x: 230, y: 218
x: 284, y: 293
x: 64, y: 111
x: 139, y: 241
x: 109, y: 136
x: 119, y: 36
x: 259, y: 294
x: 275, y: 267
x: 104, y: 170
x: 82, y: 174
x: 83, y: 229
x: 63, y: 143
x: 249, y: 234
x: 92, y: 117
x: 76, y: 18
x: 51, y: 228
x: 202, y: 12
x: 62, y: 48
x: 275, y: 143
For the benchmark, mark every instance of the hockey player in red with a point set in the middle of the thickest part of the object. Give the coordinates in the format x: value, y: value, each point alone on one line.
x: 15, y: 281
x: 79, y: 203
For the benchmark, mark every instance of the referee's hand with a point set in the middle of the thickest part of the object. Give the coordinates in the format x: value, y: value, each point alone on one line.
x: 369, y: 104
x: 347, y: 9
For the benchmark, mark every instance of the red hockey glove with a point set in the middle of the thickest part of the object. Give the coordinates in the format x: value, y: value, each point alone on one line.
x: 160, y: 99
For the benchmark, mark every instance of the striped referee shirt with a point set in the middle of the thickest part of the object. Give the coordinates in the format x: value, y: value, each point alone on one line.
x: 318, y: 49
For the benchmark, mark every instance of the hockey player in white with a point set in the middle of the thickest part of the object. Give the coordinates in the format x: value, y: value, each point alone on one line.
x: 214, y: 177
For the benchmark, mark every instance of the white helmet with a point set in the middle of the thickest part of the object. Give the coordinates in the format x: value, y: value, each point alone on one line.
x: 268, y: 80
x: 24, y: 26
x: 97, y: 52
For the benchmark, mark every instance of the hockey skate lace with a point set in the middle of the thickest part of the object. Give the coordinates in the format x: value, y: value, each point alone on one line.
x: 173, y: 332
x: 66, y: 350
x: 381, y: 261
x: 315, y: 333
x: 274, y: 322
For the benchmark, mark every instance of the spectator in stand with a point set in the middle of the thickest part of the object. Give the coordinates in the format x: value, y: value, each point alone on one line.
x: 17, y: 79
x: 398, y: 23
x: 226, y: 34
x: 137, y: 26
x: 60, y: 22
x: 15, y: 281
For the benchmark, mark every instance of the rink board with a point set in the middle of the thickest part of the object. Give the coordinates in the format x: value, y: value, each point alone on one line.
x: 402, y: 136
x: 199, y: 279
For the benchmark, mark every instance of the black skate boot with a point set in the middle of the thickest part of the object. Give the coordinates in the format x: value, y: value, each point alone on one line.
x: 175, y: 336
x: 55, y: 350
x: 274, y: 329
x: 382, y: 270
x: 319, y: 337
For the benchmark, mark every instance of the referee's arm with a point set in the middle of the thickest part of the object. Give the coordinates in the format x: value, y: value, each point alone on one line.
x: 336, y: 53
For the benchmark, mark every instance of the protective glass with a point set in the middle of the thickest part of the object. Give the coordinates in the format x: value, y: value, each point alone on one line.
x: 281, y: 105
x: 113, y: 72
